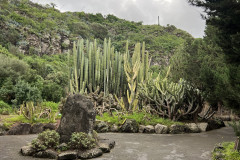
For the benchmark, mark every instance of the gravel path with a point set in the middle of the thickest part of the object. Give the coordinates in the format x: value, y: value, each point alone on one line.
x: 196, y: 146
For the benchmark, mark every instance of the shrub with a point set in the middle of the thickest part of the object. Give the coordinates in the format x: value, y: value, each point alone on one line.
x: 4, y: 107
x: 51, y: 105
x: 80, y: 140
x: 45, y: 140
x: 226, y: 152
x: 236, y: 127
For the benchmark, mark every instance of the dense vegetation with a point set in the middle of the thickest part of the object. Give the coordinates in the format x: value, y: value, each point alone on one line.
x: 169, y: 70
x: 28, y: 74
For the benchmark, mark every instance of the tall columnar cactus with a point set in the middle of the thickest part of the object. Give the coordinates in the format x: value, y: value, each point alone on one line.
x: 107, y: 69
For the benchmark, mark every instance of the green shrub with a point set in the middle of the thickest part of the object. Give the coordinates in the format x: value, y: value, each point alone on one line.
x: 51, y: 105
x: 226, y: 153
x: 4, y: 107
x: 45, y: 140
x: 236, y: 127
x: 80, y: 140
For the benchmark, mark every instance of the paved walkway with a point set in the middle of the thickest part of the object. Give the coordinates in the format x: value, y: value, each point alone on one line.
x: 196, y: 146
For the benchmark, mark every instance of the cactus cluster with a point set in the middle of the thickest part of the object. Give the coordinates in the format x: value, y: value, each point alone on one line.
x: 107, y: 70
x: 94, y: 67
x: 172, y: 100
x: 34, y: 112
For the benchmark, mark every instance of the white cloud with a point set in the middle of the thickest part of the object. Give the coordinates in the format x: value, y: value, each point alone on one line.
x: 174, y: 12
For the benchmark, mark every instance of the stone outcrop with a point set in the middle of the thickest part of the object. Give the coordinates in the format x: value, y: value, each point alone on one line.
x: 130, y: 126
x: 20, y: 129
x: 77, y: 116
x: 214, y: 124
x: 178, y: 129
x: 101, y: 127
x: 161, y: 129
x: 193, y: 127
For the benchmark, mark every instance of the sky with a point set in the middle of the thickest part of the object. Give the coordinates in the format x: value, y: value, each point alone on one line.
x: 174, y: 12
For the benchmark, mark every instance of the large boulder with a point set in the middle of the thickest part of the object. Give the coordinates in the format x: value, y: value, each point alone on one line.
x: 78, y: 115
x: 130, y: 126
x: 141, y: 128
x: 149, y: 129
x: 202, y: 126
x: 161, y: 129
x: 215, y: 124
x: 36, y: 128
x: 27, y: 150
x: 20, y: 129
x: 50, y: 126
x: 178, y: 129
x: 101, y: 127
x: 193, y: 127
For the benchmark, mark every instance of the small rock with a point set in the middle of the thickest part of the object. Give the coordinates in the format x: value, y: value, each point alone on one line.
x: 161, y: 129
x: 36, y: 128
x: 149, y: 129
x: 104, y: 147
x: 20, y: 129
x: 114, y: 128
x: 141, y: 128
x: 193, y: 127
x: 92, y: 153
x: 27, y: 150
x: 110, y: 143
x: 101, y: 127
x: 178, y: 129
x: 67, y: 155
x: 130, y: 126
x: 51, y: 154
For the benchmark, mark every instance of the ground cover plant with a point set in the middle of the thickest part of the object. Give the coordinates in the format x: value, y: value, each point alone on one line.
x: 226, y: 152
x: 140, y: 117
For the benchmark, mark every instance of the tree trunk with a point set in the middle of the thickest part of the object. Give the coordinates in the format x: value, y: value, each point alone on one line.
x: 237, y: 145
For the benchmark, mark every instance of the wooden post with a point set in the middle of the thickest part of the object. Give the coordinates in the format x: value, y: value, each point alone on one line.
x: 158, y: 21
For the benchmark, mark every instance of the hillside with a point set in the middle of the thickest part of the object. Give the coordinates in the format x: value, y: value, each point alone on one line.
x: 38, y: 30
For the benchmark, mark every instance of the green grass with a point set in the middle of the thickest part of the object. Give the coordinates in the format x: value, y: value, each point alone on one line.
x: 8, y: 122
x: 228, y: 152
x: 141, y: 118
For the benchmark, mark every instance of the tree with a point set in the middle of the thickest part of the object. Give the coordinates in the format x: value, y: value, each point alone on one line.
x: 223, y: 29
x: 225, y: 16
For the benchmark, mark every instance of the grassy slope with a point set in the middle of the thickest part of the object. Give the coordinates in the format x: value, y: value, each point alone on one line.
x: 20, y: 18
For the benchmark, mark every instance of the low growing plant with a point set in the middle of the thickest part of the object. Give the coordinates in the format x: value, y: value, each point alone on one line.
x: 227, y: 152
x: 82, y: 141
x: 5, y: 108
x: 45, y: 140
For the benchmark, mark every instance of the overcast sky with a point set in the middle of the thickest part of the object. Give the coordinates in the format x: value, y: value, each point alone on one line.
x: 174, y: 12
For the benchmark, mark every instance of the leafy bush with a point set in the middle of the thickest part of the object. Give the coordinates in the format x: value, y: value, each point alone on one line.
x: 51, y: 105
x: 236, y: 127
x: 25, y: 92
x: 80, y: 140
x: 226, y: 151
x: 45, y: 140
x: 4, y: 107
